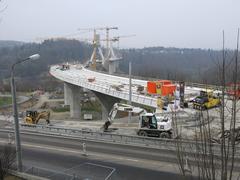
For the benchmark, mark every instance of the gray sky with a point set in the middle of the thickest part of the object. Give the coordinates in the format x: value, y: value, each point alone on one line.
x: 169, y: 23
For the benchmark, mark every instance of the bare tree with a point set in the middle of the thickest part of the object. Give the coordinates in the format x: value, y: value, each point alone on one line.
x: 7, y: 159
x: 3, y: 7
x: 210, y: 155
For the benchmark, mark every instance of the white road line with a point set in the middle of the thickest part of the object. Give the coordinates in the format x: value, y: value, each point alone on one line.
x: 99, y: 155
x: 70, y: 151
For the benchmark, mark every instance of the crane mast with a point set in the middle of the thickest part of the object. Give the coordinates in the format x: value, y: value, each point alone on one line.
x: 96, y: 44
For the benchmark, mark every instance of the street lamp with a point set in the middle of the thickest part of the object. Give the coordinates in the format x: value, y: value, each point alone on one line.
x: 15, y: 111
x: 130, y: 90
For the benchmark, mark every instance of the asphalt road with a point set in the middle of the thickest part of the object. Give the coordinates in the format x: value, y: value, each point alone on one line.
x: 67, y: 156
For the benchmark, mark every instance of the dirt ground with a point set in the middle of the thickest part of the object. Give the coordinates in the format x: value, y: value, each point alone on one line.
x: 10, y: 177
x: 187, y: 121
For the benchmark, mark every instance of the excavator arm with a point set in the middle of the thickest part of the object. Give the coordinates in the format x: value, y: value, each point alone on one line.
x: 121, y: 107
x: 43, y: 115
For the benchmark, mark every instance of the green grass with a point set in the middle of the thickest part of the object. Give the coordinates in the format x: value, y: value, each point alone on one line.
x: 61, y: 109
x: 10, y: 177
x: 5, y: 101
x: 92, y: 106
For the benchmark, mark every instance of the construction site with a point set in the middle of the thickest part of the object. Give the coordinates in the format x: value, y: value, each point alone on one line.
x: 136, y: 107
x: 119, y: 90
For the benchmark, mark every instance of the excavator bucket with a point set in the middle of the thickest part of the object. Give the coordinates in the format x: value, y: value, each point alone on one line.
x: 106, y: 125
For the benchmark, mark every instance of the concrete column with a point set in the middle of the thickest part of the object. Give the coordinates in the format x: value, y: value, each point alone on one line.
x: 117, y: 66
x: 106, y: 65
x: 74, y: 101
x: 106, y: 103
x: 112, y: 67
x: 67, y: 93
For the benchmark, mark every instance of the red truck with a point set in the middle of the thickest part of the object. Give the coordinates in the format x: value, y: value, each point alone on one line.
x: 231, y: 91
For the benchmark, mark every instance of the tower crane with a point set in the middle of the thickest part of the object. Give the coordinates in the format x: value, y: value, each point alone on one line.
x: 111, y: 53
x: 96, y: 44
x: 116, y: 38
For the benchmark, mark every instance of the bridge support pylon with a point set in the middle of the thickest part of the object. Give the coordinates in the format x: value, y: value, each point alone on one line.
x: 72, y: 97
x: 113, y: 66
x: 106, y: 102
x: 67, y: 92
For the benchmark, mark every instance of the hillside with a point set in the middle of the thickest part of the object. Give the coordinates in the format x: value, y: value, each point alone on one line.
x: 196, y: 65
x: 51, y: 52
x: 32, y: 75
x: 8, y: 44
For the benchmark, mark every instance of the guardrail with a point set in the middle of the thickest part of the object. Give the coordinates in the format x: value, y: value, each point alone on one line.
x: 169, y: 144
x: 108, y: 90
x: 103, y: 88
x: 98, y: 135
x: 190, y: 84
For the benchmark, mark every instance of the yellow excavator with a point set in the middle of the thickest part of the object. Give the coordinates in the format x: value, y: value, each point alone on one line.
x: 32, y: 117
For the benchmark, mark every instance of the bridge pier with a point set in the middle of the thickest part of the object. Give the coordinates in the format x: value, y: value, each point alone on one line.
x: 72, y: 97
x: 112, y: 67
x: 67, y: 93
x: 106, y: 102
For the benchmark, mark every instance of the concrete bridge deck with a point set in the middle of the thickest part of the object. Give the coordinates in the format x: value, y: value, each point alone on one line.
x: 107, y: 84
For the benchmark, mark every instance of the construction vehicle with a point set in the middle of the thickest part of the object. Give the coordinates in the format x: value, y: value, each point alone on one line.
x: 33, y: 117
x: 206, y: 100
x: 149, y: 124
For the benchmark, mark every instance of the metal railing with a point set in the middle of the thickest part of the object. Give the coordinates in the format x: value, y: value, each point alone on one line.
x: 144, y: 141
x: 98, y: 135
x: 103, y: 88
x: 109, y: 90
x: 190, y: 84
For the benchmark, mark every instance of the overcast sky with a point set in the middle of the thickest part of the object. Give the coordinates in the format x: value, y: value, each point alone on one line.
x: 169, y: 23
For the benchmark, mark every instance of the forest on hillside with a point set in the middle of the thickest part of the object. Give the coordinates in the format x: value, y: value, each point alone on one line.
x: 195, y: 65
x: 51, y: 52
x: 32, y: 75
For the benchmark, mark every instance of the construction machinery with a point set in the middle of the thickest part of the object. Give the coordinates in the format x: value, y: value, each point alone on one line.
x: 33, y: 117
x: 149, y: 124
x: 206, y: 100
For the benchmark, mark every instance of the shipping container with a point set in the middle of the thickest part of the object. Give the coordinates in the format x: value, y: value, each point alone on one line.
x: 168, y: 89
x: 151, y: 87
x: 161, y: 87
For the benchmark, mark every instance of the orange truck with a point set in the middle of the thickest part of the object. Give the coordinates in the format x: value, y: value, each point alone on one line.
x: 161, y: 87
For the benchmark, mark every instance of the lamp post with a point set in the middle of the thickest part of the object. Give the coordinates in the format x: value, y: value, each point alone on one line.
x: 130, y: 90
x: 15, y: 111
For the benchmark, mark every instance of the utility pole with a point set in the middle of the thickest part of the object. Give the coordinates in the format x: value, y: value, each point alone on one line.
x: 15, y: 111
x: 130, y: 90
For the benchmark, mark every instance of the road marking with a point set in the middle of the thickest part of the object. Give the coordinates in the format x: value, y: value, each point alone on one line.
x: 69, y: 151
x: 100, y: 156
